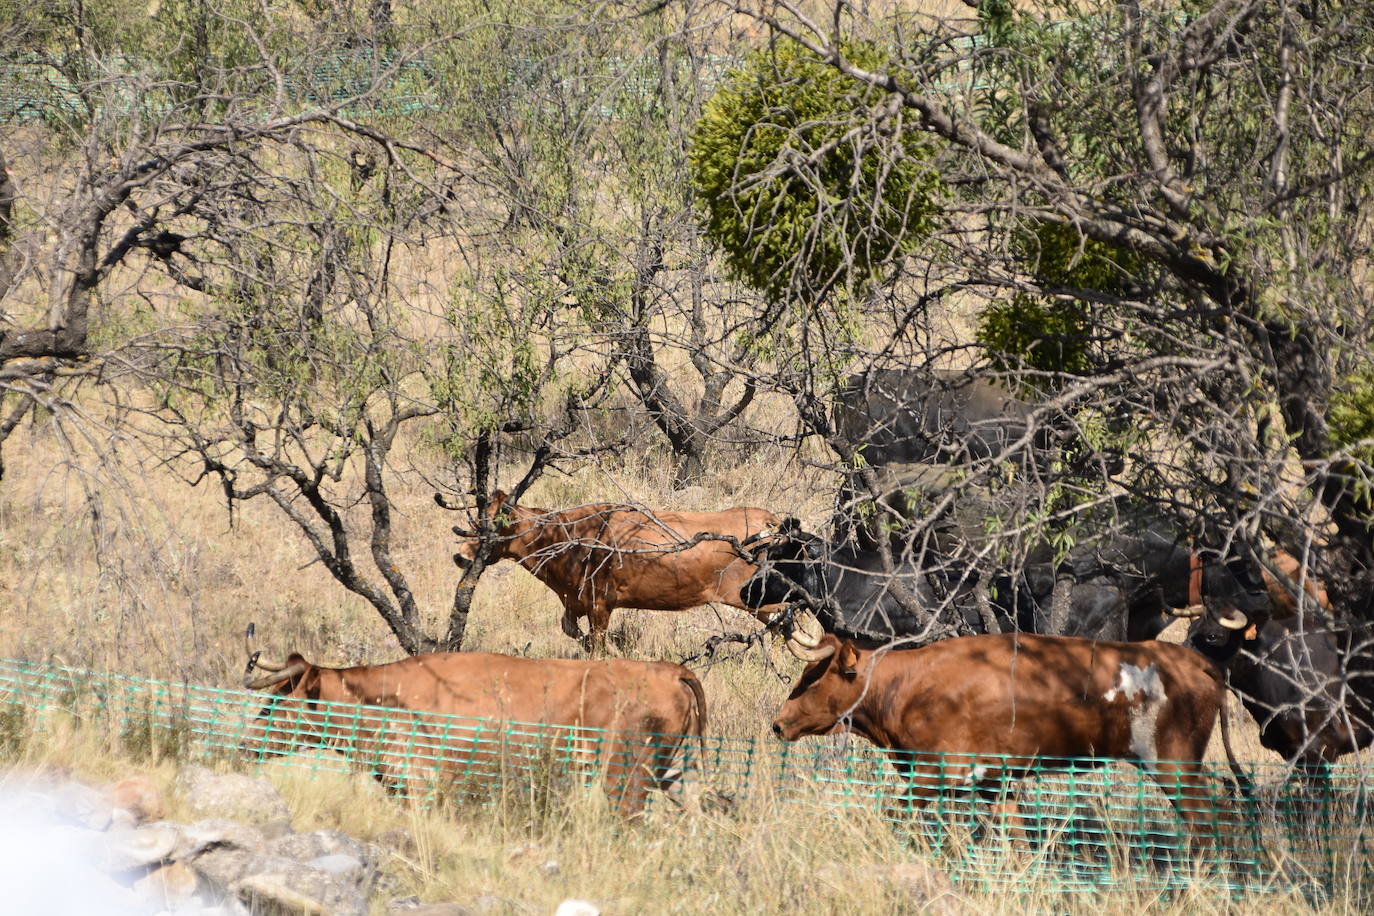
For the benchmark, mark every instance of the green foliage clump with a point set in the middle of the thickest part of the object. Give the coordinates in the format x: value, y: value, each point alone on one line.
x: 1350, y: 415
x: 1052, y: 333
x: 803, y: 183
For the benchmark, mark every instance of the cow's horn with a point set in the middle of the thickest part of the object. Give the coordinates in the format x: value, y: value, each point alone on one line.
x: 1233, y: 620
x: 276, y: 677
x: 813, y: 654
x: 804, y: 641
x: 255, y: 659
x: 463, y: 532
x: 1190, y: 612
x: 757, y: 536
x: 807, y: 630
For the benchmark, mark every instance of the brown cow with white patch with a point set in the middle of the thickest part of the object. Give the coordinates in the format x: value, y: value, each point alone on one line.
x: 1002, y: 704
x: 603, y: 556
x: 629, y: 717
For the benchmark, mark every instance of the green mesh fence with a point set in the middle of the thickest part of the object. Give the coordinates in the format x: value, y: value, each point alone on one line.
x: 1082, y: 823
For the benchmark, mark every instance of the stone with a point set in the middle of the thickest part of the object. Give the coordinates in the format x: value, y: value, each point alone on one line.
x: 231, y: 795
x: 550, y: 868
x: 219, y: 850
x: 306, y: 846
x: 221, y: 866
x: 129, y: 849
x: 575, y: 907
x: 139, y: 797
x: 432, y: 909
x: 82, y: 805
x: 340, y: 866
x: 272, y: 881
x: 219, y: 833
x: 170, y: 887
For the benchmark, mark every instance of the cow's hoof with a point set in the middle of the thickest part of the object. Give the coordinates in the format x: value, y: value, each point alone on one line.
x: 570, y: 628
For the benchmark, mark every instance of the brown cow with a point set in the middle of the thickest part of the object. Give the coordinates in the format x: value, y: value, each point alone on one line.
x: 629, y: 717
x: 602, y: 556
x: 1002, y: 704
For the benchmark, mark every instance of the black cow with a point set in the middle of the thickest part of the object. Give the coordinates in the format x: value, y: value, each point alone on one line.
x: 1119, y: 587
x: 906, y: 415
x: 849, y: 590
x: 1303, y: 678
x: 1129, y: 563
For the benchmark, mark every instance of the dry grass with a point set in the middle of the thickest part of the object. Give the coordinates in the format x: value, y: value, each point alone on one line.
x: 766, y: 856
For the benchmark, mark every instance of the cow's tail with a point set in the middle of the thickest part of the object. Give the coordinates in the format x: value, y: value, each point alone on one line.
x: 696, y: 718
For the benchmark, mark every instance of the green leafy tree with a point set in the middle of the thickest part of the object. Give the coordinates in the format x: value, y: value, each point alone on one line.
x: 1217, y: 150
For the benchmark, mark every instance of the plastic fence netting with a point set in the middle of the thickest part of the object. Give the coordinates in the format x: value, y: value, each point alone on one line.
x: 1083, y: 823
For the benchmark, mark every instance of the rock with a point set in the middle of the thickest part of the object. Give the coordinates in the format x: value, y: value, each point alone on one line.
x: 231, y: 795
x: 295, y: 886
x: 219, y: 833
x: 169, y: 887
x: 340, y: 866
x: 491, y: 903
x: 574, y: 907
x: 137, y: 796
x: 221, y: 851
x: 221, y: 866
x: 432, y: 909
x: 550, y: 868
x: 128, y: 849
x: 276, y: 829
x: 306, y: 846
x: 82, y: 805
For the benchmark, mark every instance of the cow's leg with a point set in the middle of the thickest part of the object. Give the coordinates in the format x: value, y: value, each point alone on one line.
x: 571, y: 611
x: 629, y: 775
x: 598, y: 621
x: 1212, y: 821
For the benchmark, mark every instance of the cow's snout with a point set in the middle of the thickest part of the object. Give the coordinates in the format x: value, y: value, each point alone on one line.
x: 777, y: 729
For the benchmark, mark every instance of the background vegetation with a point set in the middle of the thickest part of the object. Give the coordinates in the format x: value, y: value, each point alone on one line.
x: 274, y: 274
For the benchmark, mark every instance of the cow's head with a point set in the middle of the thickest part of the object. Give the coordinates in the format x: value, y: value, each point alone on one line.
x: 292, y: 677
x: 502, y: 519
x: 791, y: 565
x: 1220, y: 631
x: 285, y: 719
x: 830, y: 686
x: 1230, y: 601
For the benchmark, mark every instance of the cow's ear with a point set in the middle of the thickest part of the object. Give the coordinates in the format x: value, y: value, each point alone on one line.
x: 789, y: 525
x: 847, y: 660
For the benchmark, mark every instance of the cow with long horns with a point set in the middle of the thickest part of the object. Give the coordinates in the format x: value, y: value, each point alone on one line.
x: 449, y: 714
x: 602, y: 556
x: 1303, y: 678
x: 973, y: 712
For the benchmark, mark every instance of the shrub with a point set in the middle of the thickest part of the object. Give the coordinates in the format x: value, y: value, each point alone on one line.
x: 804, y: 180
